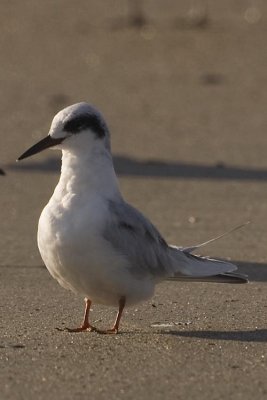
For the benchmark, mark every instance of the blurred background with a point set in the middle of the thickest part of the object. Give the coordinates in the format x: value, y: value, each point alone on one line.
x: 182, y: 85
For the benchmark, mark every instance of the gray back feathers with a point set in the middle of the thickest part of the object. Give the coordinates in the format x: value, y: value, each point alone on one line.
x: 148, y: 254
x: 138, y: 240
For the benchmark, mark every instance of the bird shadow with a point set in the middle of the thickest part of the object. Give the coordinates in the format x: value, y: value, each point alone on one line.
x: 128, y: 166
x: 256, y: 271
x: 255, y: 335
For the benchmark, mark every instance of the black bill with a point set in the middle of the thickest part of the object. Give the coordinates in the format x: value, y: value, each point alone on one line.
x: 45, y: 143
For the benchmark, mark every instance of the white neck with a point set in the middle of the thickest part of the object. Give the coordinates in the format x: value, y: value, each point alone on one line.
x: 88, y: 171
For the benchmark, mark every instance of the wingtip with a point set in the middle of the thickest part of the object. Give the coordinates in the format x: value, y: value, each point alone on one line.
x: 238, y: 278
x: 219, y: 278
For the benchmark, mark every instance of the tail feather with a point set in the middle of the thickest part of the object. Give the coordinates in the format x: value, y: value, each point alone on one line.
x: 190, y: 267
x: 193, y: 248
x: 204, y: 269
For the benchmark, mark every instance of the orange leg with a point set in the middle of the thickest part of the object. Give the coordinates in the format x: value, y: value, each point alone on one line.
x: 85, y: 326
x: 115, y: 328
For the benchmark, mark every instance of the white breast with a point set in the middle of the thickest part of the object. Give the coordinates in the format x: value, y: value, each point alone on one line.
x: 76, y: 254
x: 70, y: 230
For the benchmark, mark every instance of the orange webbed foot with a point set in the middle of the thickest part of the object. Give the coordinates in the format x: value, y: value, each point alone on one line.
x: 82, y: 328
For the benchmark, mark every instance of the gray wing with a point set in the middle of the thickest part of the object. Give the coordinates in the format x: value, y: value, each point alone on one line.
x: 133, y: 235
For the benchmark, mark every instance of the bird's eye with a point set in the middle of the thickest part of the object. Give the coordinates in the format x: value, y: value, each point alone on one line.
x: 77, y: 124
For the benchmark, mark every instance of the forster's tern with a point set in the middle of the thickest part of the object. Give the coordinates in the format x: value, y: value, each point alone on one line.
x: 95, y: 243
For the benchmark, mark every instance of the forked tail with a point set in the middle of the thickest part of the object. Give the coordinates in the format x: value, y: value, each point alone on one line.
x: 190, y: 267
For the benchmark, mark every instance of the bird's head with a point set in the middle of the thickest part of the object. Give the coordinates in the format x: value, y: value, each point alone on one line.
x: 78, y: 126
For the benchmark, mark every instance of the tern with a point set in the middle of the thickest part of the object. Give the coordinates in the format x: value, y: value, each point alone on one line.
x: 91, y: 240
